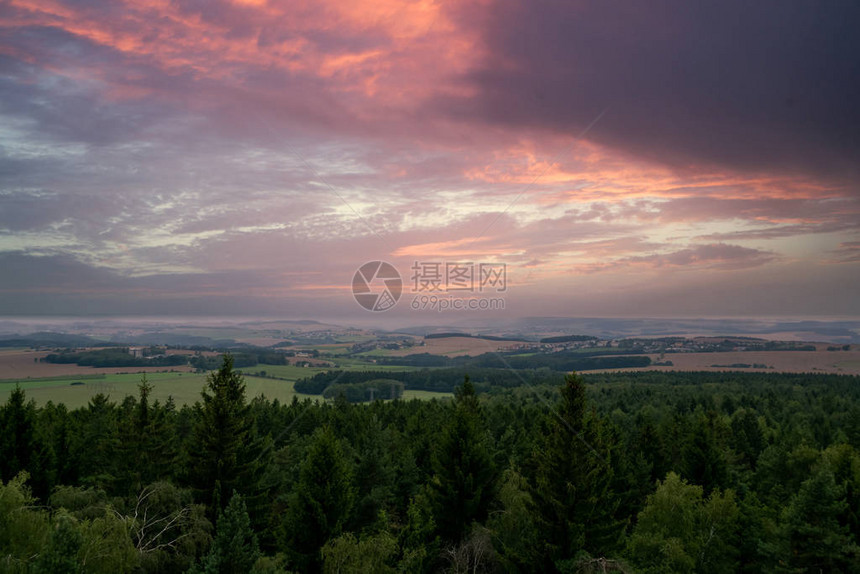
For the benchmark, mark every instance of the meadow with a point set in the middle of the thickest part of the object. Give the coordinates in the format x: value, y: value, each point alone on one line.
x: 76, y: 390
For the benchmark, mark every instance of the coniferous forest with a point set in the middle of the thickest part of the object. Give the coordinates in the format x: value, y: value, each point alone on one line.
x: 612, y: 472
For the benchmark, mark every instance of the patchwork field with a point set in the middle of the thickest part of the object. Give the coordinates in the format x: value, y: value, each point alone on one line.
x: 454, y: 347
x: 836, y: 362
x: 74, y: 386
x: 22, y: 364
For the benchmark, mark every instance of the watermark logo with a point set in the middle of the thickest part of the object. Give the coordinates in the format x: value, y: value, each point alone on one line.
x: 438, y: 276
x: 436, y: 286
x: 377, y: 286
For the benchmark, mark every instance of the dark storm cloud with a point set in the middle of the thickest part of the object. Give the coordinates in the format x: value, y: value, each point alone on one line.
x: 765, y: 85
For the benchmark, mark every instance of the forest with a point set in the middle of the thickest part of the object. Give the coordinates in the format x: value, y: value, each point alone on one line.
x: 610, y: 472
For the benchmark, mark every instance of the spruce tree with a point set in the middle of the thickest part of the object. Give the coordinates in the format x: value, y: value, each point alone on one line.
x: 234, y: 549
x: 704, y: 463
x: 747, y: 438
x: 95, y: 443
x: 573, y: 501
x: 321, y: 503
x: 464, y: 475
x: 21, y: 447
x: 144, y: 449
x: 221, y: 454
x: 816, y: 540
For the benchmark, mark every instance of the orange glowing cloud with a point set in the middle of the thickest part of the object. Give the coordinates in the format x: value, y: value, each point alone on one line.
x: 465, y: 247
x: 415, y: 46
x: 583, y: 171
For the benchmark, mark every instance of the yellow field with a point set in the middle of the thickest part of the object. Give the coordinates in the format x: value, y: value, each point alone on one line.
x: 834, y: 362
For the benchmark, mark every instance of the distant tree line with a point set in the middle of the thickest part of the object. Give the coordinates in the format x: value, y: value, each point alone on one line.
x: 366, y: 391
x: 484, y: 337
x: 114, y: 357
x: 436, y: 380
x: 561, y: 361
x: 568, y: 339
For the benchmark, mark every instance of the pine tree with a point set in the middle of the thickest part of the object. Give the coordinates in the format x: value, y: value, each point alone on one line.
x: 574, y: 503
x: 234, y: 549
x: 747, y: 438
x: 321, y: 503
x: 95, y: 441
x: 704, y: 464
x: 374, y: 476
x: 464, y: 475
x: 132, y: 450
x: 817, y: 542
x: 17, y: 436
x: 21, y: 448
x: 57, y: 423
x: 221, y: 449
x: 844, y: 461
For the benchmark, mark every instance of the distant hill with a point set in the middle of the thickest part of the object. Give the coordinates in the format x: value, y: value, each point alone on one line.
x: 174, y: 339
x: 50, y: 339
x: 485, y: 337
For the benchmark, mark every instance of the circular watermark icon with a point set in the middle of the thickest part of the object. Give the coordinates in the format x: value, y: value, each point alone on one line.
x: 377, y: 286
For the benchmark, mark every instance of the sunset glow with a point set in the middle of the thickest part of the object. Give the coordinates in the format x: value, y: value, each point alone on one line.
x: 251, y: 154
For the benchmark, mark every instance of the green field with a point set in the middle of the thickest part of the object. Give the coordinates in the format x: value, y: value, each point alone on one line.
x: 363, y: 365
x: 331, y: 350
x: 848, y: 365
x: 294, y: 373
x: 376, y: 353
x: 289, y: 372
x: 185, y: 388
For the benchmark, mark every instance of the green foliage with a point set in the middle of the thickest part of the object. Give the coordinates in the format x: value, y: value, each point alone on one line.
x: 516, y: 535
x: 146, y: 449
x: 704, y: 462
x: 83, y: 503
x: 347, y: 554
x: 94, y: 447
x: 220, y: 456
x: 367, y: 391
x: 747, y: 436
x: 814, y: 537
x: 681, y: 531
x: 574, y: 503
x: 321, y: 503
x: 114, y: 357
x: 60, y: 555
x: 844, y: 462
x: 461, y: 489
x: 21, y: 447
x: 166, y: 528
x: 235, y: 549
x: 589, y: 483
x: 106, y: 546
x: 24, y: 528
x: 418, y: 540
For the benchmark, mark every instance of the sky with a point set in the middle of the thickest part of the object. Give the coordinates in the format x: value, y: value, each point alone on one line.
x: 246, y: 157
